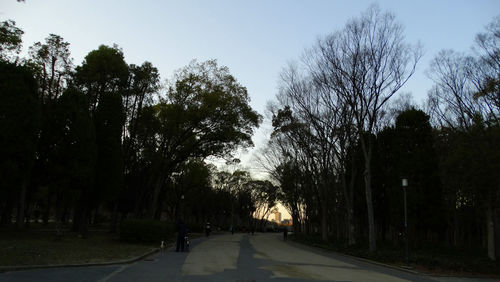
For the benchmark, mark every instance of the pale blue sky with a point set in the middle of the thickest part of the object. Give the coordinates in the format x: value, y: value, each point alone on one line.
x: 255, y: 39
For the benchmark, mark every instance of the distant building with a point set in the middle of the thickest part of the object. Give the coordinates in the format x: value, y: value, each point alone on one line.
x: 277, y: 216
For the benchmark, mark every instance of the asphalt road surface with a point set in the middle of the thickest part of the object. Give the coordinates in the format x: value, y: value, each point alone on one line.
x: 238, y: 257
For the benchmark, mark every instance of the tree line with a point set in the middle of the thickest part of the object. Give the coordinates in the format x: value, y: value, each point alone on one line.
x: 106, y: 141
x: 342, y: 142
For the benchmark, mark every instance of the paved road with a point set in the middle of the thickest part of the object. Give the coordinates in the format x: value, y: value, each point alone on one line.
x: 239, y: 257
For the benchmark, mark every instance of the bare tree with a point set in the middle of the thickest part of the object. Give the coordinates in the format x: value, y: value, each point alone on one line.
x: 486, y: 73
x: 319, y: 121
x: 329, y: 123
x: 467, y: 85
x: 364, y: 65
x: 467, y: 93
x: 451, y: 101
x: 291, y: 158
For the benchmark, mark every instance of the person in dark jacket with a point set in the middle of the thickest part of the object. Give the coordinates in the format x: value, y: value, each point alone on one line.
x: 181, y: 234
x: 207, y: 228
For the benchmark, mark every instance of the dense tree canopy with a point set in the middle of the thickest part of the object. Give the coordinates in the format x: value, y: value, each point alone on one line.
x: 102, y: 71
x: 10, y: 40
x: 19, y: 124
x: 104, y: 140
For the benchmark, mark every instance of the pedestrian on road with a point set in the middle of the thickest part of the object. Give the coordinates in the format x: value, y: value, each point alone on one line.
x: 232, y: 230
x: 186, y: 240
x: 181, y: 234
x: 207, y: 228
x: 285, y: 233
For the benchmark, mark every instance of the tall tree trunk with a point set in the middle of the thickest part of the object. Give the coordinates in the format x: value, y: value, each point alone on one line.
x: 58, y: 231
x: 84, y: 225
x: 65, y: 214
x: 295, y: 222
x: 7, y: 213
x: 367, y: 152
x: 351, y: 227
x: 46, y: 214
x: 21, y: 205
x: 496, y: 219
x: 28, y: 214
x: 114, y: 218
x: 496, y: 230
x: 456, y: 229
x: 324, y: 209
x: 159, y: 209
x: 138, y: 201
x: 369, y: 206
x: 324, y: 220
x: 77, y: 217
x: 349, y: 202
x: 154, y: 201
x: 490, y: 229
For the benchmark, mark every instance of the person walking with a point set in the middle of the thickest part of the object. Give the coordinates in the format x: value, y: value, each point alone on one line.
x: 285, y: 233
x: 207, y: 228
x: 181, y: 235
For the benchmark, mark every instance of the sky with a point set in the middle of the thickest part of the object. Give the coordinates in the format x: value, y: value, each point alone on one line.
x: 255, y: 39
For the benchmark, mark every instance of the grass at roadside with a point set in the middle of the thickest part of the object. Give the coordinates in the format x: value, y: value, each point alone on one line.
x: 38, y: 247
x: 432, y: 260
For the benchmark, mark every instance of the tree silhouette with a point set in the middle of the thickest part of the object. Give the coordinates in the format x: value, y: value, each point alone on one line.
x: 19, y: 125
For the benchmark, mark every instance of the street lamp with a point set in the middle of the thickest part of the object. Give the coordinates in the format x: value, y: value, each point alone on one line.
x: 182, y: 207
x: 404, y: 183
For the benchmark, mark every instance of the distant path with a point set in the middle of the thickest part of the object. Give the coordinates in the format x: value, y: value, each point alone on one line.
x: 239, y: 257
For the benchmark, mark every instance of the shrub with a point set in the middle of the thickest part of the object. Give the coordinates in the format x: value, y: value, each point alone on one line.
x: 146, y: 231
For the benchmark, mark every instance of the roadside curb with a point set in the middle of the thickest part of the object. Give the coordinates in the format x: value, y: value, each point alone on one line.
x: 170, y: 247
x: 125, y: 261
x: 359, y: 258
x: 394, y: 266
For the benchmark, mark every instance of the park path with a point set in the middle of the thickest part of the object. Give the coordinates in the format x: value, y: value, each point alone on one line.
x: 226, y: 257
x: 267, y: 256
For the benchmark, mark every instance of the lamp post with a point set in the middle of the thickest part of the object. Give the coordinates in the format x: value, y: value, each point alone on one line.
x: 404, y: 183
x: 182, y: 207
